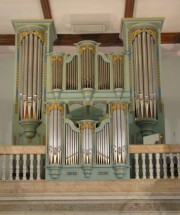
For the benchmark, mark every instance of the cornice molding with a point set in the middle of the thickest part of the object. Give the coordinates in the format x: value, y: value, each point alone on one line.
x: 105, y: 39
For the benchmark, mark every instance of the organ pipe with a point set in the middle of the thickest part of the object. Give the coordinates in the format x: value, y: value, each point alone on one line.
x: 144, y: 74
x: 87, y: 128
x: 55, y: 133
x: 118, y: 81
x: 103, y: 74
x: 119, y: 133
x: 57, y: 72
x: 103, y: 145
x: 31, y: 56
x: 71, y: 145
x: 87, y: 66
x: 72, y: 74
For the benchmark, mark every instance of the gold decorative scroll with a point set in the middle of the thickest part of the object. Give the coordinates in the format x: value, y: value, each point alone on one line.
x: 55, y: 107
x: 83, y: 48
x: 149, y: 31
x: 57, y: 58
x: 37, y: 33
x: 118, y: 106
x: 87, y: 125
x: 114, y: 58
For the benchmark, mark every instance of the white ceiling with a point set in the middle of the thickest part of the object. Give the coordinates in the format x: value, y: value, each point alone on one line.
x: 108, y: 13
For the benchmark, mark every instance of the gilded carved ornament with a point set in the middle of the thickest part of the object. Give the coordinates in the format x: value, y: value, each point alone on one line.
x: 115, y: 58
x: 87, y: 125
x: 118, y: 106
x: 83, y: 48
x: 149, y: 31
x: 55, y: 107
x: 57, y: 58
x: 36, y: 33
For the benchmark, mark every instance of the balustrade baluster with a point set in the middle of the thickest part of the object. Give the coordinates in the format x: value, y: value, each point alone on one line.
x: 164, y: 166
x: 144, y: 165
x: 136, y: 166
x: 171, y: 165
x: 38, y: 166
x: 178, y: 165
x: 157, y: 166
x: 150, y: 167
x: 31, y: 167
x: 24, y: 166
x: 3, y: 167
x: 10, y: 167
x: 17, y: 166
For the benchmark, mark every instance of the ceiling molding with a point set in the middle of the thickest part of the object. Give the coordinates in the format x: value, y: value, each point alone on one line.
x: 129, y: 9
x: 46, y: 9
x: 104, y: 39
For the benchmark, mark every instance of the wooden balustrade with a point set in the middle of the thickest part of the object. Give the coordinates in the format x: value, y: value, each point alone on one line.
x: 159, y: 161
x: 155, y: 161
x: 22, y: 162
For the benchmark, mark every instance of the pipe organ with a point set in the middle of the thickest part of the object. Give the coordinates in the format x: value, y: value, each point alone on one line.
x: 87, y: 106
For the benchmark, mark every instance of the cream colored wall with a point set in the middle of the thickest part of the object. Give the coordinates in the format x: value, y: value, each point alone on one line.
x: 7, y: 74
x: 171, y: 95
x: 170, y: 84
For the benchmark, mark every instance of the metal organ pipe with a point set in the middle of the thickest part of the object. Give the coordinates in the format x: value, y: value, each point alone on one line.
x: 55, y: 133
x: 57, y: 71
x: 71, y: 145
x: 119, y: 133
x: 144, y: 71
x: 72, y: 74
x: 31, y: 72
x: 103, y: 145
x: 117, y: 71
x: 87, y: 67
x: 103, y: 74
x: 87, y: 139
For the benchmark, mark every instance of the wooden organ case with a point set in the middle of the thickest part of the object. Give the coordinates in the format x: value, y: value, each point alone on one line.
x: 86, y: 106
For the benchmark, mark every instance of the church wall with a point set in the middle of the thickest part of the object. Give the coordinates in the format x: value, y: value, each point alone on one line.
x: 171, y: 95
x: 170, y: 89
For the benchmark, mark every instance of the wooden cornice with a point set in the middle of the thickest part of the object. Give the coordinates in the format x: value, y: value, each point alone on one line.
x: 46, y: 9
x: 104, y: 39
x: 129, y: 9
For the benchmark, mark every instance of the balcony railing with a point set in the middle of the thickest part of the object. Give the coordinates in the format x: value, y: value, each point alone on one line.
x: 22, y: 162
x: 160, y: 161
x: 147, y: 162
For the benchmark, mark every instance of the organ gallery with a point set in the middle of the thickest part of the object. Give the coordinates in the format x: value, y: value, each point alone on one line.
x: 87, y: 106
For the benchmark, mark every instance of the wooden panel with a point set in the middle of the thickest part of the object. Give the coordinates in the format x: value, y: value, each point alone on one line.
x: 46, y: 9
x: 7, y: 39
x: 169, y: 38
x: 7, y: 150
x: 129, y: 9
x: 104, y: 39
x: 157, y: 148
